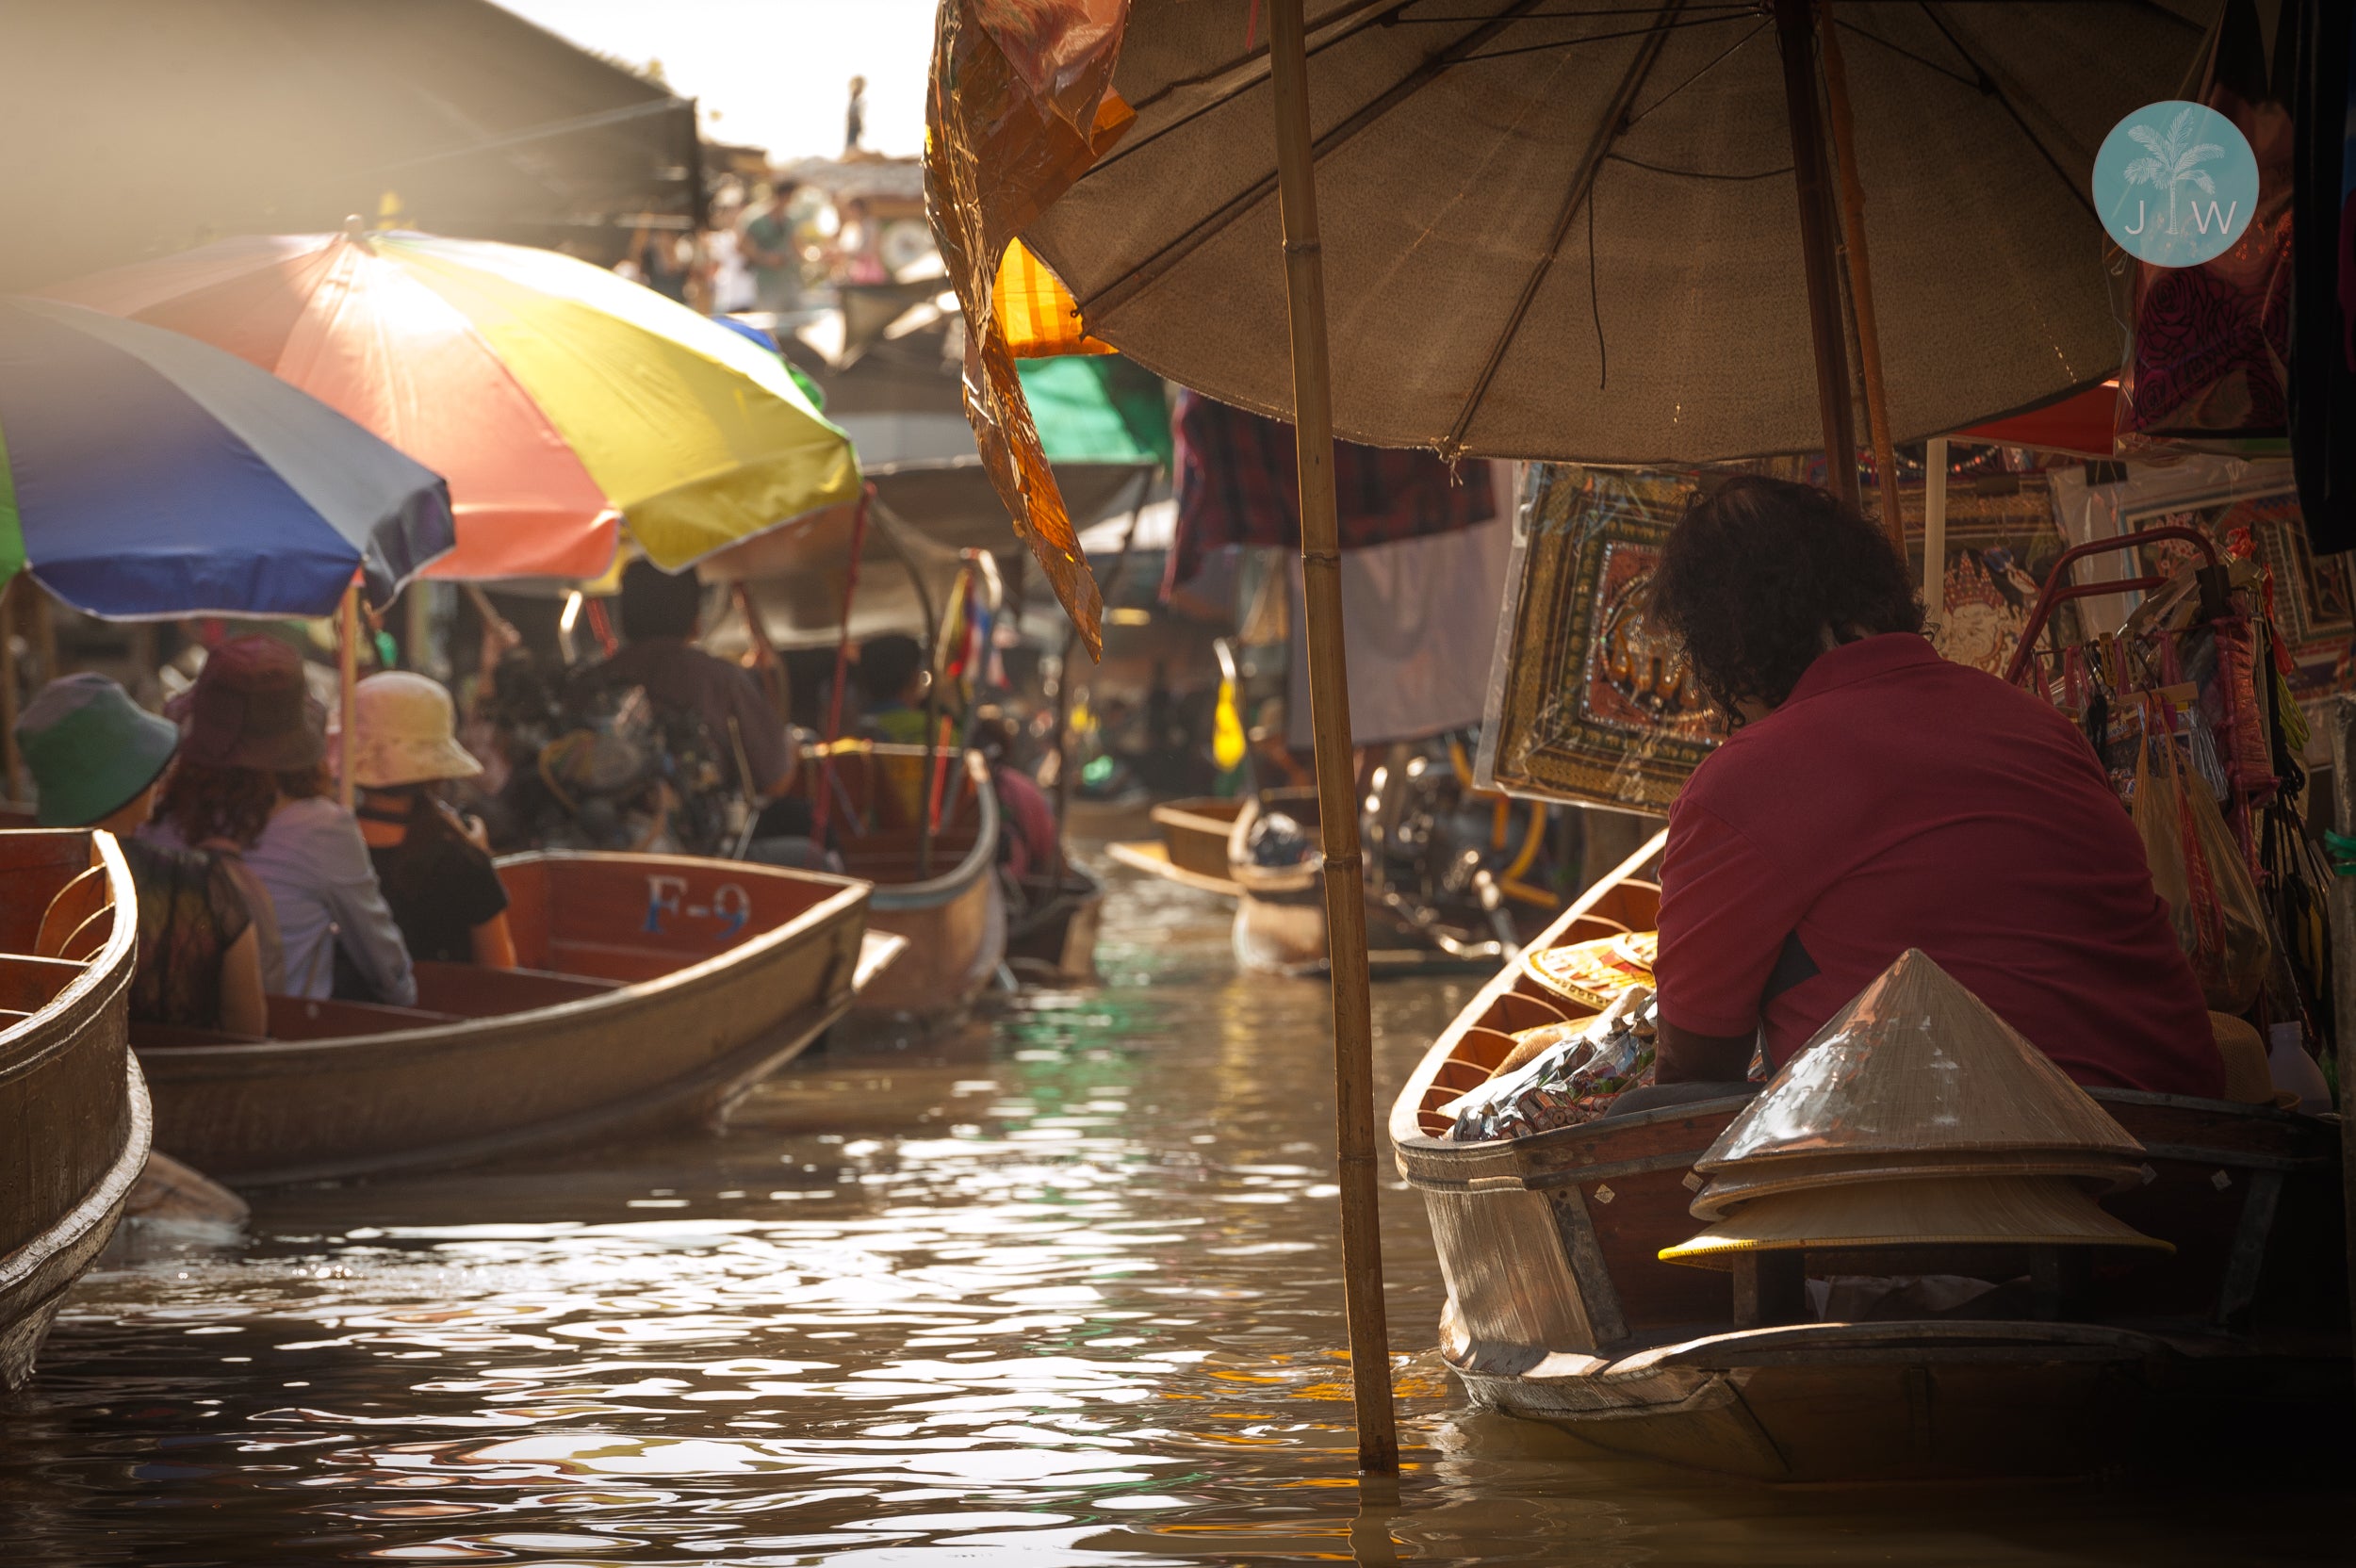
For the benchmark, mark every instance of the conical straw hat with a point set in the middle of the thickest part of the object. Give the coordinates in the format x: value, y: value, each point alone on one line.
x: 1947, y: 1211
x: 1731, y: 1189
x: 1916, y: 1062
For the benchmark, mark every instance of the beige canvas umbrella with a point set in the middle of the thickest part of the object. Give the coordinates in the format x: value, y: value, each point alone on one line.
x: 1462, y: 150
x: 1570, y: 229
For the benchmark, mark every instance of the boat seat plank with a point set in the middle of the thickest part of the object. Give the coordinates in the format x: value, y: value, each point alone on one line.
x: 299, y: 1018
x: 470, y: 990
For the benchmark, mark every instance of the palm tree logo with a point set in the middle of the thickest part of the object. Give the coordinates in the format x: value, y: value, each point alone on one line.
x: 2175, y: 160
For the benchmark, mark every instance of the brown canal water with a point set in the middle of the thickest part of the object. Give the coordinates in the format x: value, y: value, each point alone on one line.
x: 1062, y: 1290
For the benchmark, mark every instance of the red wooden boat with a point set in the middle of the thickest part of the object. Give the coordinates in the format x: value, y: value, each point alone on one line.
x: 656, y: 990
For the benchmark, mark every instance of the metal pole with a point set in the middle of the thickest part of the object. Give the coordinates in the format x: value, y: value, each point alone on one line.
x: 1934, y: 529
x: 1795, y: 32
x: 1337, y: 777
x: 823, y: 790
x: 1869, y: 341
x: 348, y: 661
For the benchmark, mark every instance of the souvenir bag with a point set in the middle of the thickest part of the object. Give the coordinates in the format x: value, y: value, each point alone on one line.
x: 2197, y: 868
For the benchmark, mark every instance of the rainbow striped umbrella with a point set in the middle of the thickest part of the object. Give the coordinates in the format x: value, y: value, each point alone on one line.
x: 145, y: 475
x: 557, y: 398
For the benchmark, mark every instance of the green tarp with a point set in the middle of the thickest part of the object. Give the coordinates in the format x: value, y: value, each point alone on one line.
x: 1097, y: 408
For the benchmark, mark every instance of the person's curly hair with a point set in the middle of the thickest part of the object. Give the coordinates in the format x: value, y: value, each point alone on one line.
x: 1756, y: 573
x: 203, y: 803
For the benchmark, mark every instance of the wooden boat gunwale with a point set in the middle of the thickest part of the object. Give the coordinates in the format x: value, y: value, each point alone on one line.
x: 1151, y: 856
x: 36, y: 1271
x: 31, y: 1039
x: 975, y: 863
x: 461, y: 1032
x: 1185, y: 818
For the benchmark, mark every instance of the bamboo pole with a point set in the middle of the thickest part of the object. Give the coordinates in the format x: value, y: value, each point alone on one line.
x: 1337, y: 777
x: 347, y: 663
x: 1795, y: 27
x: 1869, y: 341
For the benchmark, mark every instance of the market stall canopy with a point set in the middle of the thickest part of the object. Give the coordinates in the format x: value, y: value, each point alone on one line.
x: 145, y: 475
x: 554, y: 395
x: 1567, y: 231
x: 140, y: 127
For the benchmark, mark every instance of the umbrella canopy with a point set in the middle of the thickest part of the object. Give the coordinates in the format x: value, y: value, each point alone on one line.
x: 1567, y: 231
x: 146, y: 475
x: 553, y: 394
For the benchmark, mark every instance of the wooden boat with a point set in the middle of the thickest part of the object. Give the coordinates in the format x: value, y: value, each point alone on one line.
x: 1280, y: 910
x: 1192, y: 849
x: 941, y: 895
x: 71, y: 1097
x: 1054, y: 941
x: 1559, y: 1309
x: 657, y: 988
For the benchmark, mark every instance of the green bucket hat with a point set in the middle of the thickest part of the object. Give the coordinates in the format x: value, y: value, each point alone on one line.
x: 91, y: 748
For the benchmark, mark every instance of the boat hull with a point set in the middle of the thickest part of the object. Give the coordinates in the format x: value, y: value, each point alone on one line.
x: 71, y: 1097
x: 655, y: 1036
x: 1559, y: 1307
x: 939, y: 891
x: 1280, y: 911
x: 1055, y: 942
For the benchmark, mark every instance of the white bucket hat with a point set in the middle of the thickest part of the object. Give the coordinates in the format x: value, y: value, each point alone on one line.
x: 406, y: 733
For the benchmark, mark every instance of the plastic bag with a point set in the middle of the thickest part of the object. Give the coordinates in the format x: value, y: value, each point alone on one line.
x: 1569, y: 1083
x: 2197, y: 867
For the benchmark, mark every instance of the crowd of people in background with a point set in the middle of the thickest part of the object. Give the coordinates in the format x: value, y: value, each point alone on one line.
x: 254, y: 881
x: 773, y: 246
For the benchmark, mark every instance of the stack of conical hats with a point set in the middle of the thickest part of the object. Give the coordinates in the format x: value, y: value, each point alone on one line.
x: 1915, y: 1117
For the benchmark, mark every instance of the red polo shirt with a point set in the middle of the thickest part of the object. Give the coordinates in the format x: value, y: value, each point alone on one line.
x: 1897, y: 800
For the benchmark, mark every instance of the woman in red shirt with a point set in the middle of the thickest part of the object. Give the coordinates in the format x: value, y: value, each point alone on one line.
x: 1871, y: 797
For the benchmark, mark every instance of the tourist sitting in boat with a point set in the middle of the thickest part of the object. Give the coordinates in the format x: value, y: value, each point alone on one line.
x: 97, y: 758
x: 433, y: 865
x: 724, y: 753
x: 894, y: 675
x: 1871, y: 797
x: 252, y: 786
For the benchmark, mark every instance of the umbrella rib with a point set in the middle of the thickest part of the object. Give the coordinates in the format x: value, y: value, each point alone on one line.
x: 1582, y: 185
x: 1697, y: 173
x: 1988, y: 85
x: 1720, y: 60
x: 1181, y: 246
x: 1256, y: 68
x: 1899, y: 49
x: 1608, y: 38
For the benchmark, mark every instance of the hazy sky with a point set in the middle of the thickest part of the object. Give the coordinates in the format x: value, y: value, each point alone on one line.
x: 772, y: 72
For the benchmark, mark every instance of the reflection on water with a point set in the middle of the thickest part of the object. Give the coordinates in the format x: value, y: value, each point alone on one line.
x: 1061, y: 1290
